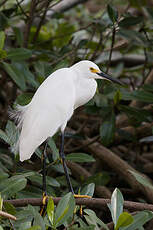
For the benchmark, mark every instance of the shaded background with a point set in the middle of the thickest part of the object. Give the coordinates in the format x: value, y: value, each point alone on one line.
x: 114, y: 128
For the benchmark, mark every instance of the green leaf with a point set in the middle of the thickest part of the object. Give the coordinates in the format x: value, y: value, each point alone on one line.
x: 12, y: 185
x: 116, y: 206
x: 139, y: 220
x: 80, y: 157
x: 37, y: 227
x: 142, y: 179
x: 65, y: 30
x: 93, y: 219
x: 65, y: 209
x: 19, y: 54
x: 117, y: 97
x: 19, y: 35
x: 38, y: 221
x: 88, y: 189
x: 124, y: 220
x: 1, y: 203
x: 4, y: 136
x: 3, y: 54
x: 2, y: 39
x: 50, y: 210
x: 9, y: 208
x: 24, y: 99
x: 1, y: 228
x: 55, y: 151
x: 139, y: 95
x: 130, y: 21
x: 112, y: 12
x: 142, y: 96
x: 107, y: 131
x: 136, y: 37
x: 138, y: 114
x: 15, y: 73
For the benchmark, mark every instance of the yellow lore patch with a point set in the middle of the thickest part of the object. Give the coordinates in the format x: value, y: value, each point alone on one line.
x: 94, y: 70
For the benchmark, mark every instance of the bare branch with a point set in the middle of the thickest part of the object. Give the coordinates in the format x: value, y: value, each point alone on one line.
x: 98, y: 203
x: 7, y: 215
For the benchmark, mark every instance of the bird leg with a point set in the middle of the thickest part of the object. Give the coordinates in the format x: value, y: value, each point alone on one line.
x: 44, y: 170
x: 44, y: 188
x: 62, y: 155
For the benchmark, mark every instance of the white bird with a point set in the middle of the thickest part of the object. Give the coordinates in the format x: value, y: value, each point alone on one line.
x: 53, y: 104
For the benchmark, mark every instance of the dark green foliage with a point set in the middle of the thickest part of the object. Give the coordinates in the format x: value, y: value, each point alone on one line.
x: 29, y: 53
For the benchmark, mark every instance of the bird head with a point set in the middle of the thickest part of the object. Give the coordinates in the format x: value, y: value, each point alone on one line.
x: 90, y: 70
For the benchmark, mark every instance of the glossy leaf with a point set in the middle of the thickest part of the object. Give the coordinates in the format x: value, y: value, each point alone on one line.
x: 138, y: 114
x: 130, y: 21
x: 80, y: 157
x: 4, y: 136
x: 16, y: 75
x: 112, y: 12
x: 93, y: 219
x: 55, y: 151
x: 9, y: 208
x: 18, y: 35
x: 12, y: 185
x: 107, y: 131
x: 19, y: 54
x: 139, y: 220
x: 116, y: 206
x: 2, y: 39
x: 124, y: 220
x: 142, y: 179
x: 1, y: 203
x: 136, y: 37
x: 88, y: 189
x: 38, y: 221
x: 37, y: 227
x: 65, y: 209
x: 50, y: 210
x: 117, y: 97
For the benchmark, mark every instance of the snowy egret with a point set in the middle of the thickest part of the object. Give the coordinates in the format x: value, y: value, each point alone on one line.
x: 53, y: 105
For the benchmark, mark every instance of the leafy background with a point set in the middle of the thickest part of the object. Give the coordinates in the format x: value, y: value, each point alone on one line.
x: 109, y: 140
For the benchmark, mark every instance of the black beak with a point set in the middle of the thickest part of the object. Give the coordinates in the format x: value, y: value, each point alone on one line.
x: 105, y: 75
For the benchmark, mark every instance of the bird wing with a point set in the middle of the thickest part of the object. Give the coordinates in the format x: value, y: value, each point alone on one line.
x: 50, y: 109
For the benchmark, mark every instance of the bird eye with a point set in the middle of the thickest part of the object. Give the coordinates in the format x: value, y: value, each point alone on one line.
x: 91, y: 69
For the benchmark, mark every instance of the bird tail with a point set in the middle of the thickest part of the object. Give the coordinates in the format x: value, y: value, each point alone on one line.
x: 17, y: 115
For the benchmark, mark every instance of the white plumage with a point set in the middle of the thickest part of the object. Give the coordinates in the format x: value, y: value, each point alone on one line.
x: 53, y: 104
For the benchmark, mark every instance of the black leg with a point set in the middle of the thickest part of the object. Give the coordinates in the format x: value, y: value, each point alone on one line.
x: 62, y: 155
x: 44, y: 170
x: 44, y: 188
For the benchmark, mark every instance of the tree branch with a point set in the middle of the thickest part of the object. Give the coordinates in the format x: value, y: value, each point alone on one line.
x: 120, y: 166
x: 7, y: 215
x: 98, y: 203
x: 64, y: 5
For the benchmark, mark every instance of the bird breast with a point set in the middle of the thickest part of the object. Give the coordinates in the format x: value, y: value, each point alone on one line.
x: 85, y: 90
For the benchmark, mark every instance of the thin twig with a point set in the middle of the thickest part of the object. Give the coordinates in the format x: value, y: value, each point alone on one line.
x: 112, y: 45
x: 23, y: 12
x: 91, y: 141
x: 2, y: 3
x: 29, y: 24
x: 41, y: 21
x: 7, y: 215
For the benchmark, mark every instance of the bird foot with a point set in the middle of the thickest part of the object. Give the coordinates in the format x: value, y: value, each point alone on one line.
x: 82, y: 196
x: 43, y: 207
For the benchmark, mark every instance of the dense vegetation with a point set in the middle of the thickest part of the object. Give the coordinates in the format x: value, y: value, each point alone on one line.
x: 108, y: 141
